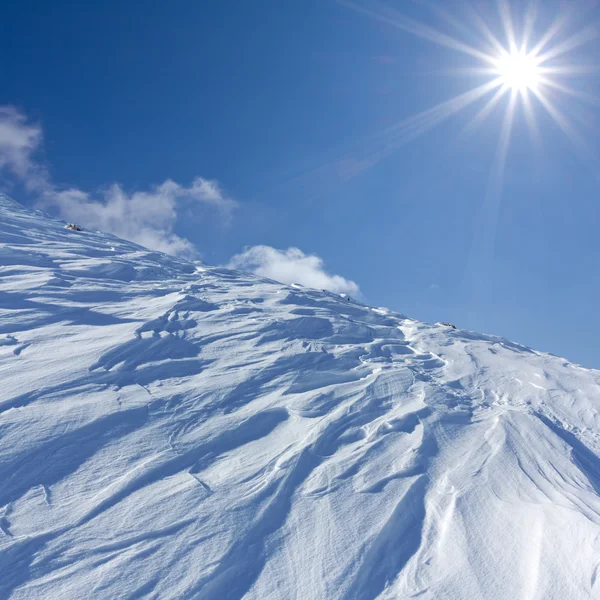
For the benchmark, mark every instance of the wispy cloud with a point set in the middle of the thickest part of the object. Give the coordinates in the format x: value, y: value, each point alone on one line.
x: 147, y: 217
x: 291, y: 266
x: 19, y: 142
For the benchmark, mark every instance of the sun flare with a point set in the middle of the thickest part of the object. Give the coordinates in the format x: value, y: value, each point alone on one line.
x: 531, y: 67
x: 519, y: 71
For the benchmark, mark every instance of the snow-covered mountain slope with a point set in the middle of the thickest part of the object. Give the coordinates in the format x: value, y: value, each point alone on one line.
x: 169, y: 430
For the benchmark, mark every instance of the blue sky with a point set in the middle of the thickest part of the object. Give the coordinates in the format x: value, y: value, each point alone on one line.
x: 291, y: 125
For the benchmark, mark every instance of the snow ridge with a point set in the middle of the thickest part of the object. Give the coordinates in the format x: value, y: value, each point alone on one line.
x: 172, y: 430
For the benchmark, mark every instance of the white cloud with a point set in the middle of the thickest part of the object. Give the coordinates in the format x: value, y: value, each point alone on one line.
x: 146, y: 217
x: 291, y: 266
x: 19, y: 141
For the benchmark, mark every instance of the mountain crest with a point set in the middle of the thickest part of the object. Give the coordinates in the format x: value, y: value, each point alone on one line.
x: 173, y: 430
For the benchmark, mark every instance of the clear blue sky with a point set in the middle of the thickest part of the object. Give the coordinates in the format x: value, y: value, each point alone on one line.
x: 289, y: 104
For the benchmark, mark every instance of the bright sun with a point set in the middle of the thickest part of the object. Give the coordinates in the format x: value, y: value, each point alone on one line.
x: 519, y: 71
x: 527, y: 65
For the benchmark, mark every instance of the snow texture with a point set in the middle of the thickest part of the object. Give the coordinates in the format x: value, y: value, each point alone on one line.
x: 171, y: 430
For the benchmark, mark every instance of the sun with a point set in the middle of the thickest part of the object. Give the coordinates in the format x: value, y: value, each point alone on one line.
x: 522, y: 66
x: 519, y: 71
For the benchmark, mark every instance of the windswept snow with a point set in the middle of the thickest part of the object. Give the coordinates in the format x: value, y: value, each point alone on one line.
x: 170, y: 430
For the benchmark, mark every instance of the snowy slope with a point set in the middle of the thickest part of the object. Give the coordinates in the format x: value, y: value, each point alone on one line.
x: 176, y: 431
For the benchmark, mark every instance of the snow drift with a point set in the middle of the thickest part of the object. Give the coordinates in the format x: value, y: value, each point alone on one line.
x: 170, y: 430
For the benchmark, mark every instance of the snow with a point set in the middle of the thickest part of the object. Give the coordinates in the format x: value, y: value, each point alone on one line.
x: 174, y: 430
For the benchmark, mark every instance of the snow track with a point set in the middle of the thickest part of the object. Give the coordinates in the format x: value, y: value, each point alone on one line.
x: 171, y: 430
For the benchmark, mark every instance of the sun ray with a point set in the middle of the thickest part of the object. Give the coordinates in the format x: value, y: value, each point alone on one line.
x: 530, y: 117
x: 569, y: 91
x: 489, y: 71
x: 377, y: 147
x: 394, y: 18
x: 507, y: 22
x: 581, y: 38
x: 550, y: 34
x: 530, y: 19
x: 497, y: 46
x: 484, y: 113
x: 445, y: 15
x: 422, y: 122
x: 570, y: 70
x: 504, y: 142
x: 563, y: 122
x: 484, y: 236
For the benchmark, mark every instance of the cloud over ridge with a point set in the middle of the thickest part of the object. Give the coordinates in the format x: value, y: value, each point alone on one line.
x: 146, y: 217
x: 291, y: 266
